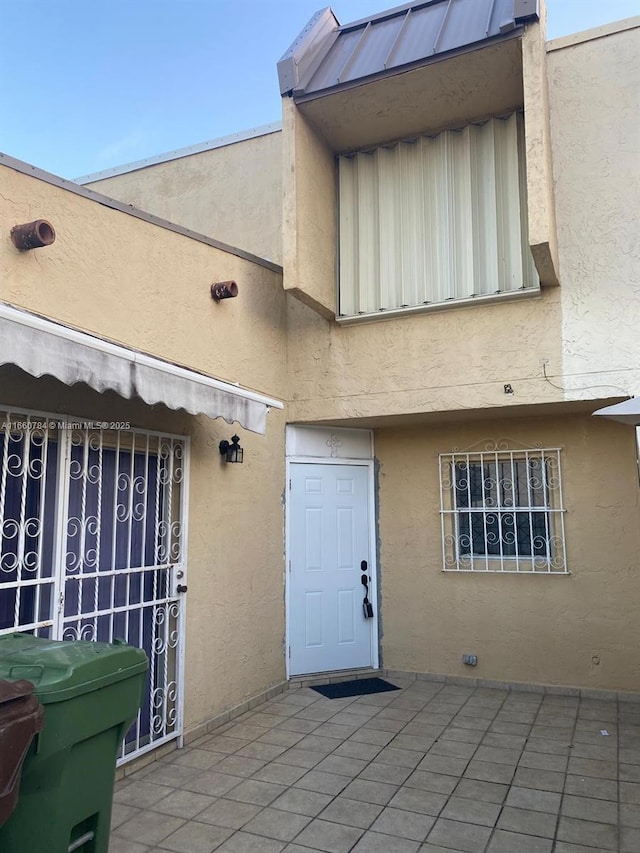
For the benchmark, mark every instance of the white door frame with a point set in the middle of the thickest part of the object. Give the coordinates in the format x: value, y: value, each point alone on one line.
x: 373, y: 564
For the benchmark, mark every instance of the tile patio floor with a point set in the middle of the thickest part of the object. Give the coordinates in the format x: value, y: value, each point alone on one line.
x: 433, y: 768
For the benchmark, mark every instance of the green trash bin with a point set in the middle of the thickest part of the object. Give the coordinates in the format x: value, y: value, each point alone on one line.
x: 91, y: 693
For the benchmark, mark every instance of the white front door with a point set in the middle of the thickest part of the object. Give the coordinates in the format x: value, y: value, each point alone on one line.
x: 329, y: 554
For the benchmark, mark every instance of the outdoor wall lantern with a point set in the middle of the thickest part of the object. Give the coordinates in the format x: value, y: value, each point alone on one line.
x: 231, y: 451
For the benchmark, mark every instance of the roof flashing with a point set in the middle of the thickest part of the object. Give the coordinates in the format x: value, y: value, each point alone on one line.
x: 525, y: 10
x: 307, y: 50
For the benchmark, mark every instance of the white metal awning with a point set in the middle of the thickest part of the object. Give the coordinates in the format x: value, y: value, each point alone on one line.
x: 42, y: 347
x: 627, y: 412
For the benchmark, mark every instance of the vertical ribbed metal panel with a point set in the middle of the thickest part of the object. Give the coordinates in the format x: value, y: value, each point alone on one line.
x: 412, y: 224
x: 390, y: 228
x: 435, y: 219
x: 367, y: 297
x: 349, y: 249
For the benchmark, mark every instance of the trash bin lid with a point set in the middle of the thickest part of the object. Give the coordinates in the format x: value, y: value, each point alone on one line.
x: 61, y: 670
x: 12, y: 690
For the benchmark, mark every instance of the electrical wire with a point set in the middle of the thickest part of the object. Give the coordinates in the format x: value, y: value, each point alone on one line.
x: 586, y: 387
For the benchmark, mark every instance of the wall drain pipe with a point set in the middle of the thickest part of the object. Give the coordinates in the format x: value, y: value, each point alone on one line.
x: 33, y: 235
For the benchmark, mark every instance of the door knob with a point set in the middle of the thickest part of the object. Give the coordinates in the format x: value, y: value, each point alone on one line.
x: 181, y: 588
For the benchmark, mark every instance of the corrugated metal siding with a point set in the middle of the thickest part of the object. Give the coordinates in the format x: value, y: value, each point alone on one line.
x: 407, y: 35
x: 435, y: 218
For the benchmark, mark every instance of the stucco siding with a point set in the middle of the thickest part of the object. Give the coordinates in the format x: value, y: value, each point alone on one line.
x: 595, y: 108
x: 148, y: 288
x: 144, y: 286
x: 577, y: 629
x: 452, y: 360
x: 232, y: 193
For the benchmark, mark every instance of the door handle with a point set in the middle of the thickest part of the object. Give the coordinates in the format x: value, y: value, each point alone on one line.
x: 181, y: 588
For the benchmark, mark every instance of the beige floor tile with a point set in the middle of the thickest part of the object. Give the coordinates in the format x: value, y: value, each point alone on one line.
x: 196, y: 837
x: 245, y: 842
x: 261, y: 751
x: 415, y: 800
x: 258, y: 793
x: 515, y: 842
x: 365, y: 791
x: 387, y: 773
x: 300, y: 757
x: 278, y: 824
x: 438, y: 783
x: 327, y: 836
x: 229, y: 813
x: 281, y: 774
x: 280, y: 737
x: 121, y: 813
x: 403, y: 824
x: 237, y: 765
x: 303, y: 773
x: 323, y: 783
x: 186, y: 804
x: 149, y: 827
x: 353, y: 749
x: 341, y: 765
x: 461, y: 836
x: 303, y: 802
x: 123, y: 845
x: 377, y: 842
x: 141, y: 794
x: 212, y: 784
x: 469, y: 811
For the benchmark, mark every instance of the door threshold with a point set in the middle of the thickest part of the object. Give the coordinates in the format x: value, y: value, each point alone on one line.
x: 309, y: 679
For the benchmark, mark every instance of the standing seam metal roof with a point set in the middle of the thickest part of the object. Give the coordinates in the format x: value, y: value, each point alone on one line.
x: 327, y: 56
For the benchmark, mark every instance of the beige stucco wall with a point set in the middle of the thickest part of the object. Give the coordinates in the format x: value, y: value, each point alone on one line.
x: 232, y: 193
x: 309, y: 213
x: 543, y: 237
x: 539, y: 629
x: 461, y: 358
x: 458, y: 359
x: 148, y: 287
x: 594, y: 85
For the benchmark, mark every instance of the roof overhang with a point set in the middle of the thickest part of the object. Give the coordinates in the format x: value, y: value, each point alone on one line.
x: 40, y: 347
x: 328, y: 57
x: 471, y: 85
x: 627, y: 412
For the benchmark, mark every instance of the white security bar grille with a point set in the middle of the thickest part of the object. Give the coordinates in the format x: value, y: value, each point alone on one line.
x: 92, y: 547
x: 502, y: 511
x: 433, y: 219
x: 28, y: 485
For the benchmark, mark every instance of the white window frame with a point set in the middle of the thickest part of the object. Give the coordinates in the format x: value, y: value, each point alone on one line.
x: 502, y: 511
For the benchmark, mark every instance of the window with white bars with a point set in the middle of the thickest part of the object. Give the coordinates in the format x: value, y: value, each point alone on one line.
x: 433, y: 219
x: 502, y: 511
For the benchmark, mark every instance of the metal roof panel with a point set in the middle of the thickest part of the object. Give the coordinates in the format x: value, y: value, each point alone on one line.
x: 339, y: 54
x: 405, y: 35
x: 420, y: 32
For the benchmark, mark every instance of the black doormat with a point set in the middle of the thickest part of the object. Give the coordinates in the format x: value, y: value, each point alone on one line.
x: 358, y: 687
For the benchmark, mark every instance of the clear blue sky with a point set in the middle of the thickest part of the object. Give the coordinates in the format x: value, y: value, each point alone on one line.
x: 89, y: 84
